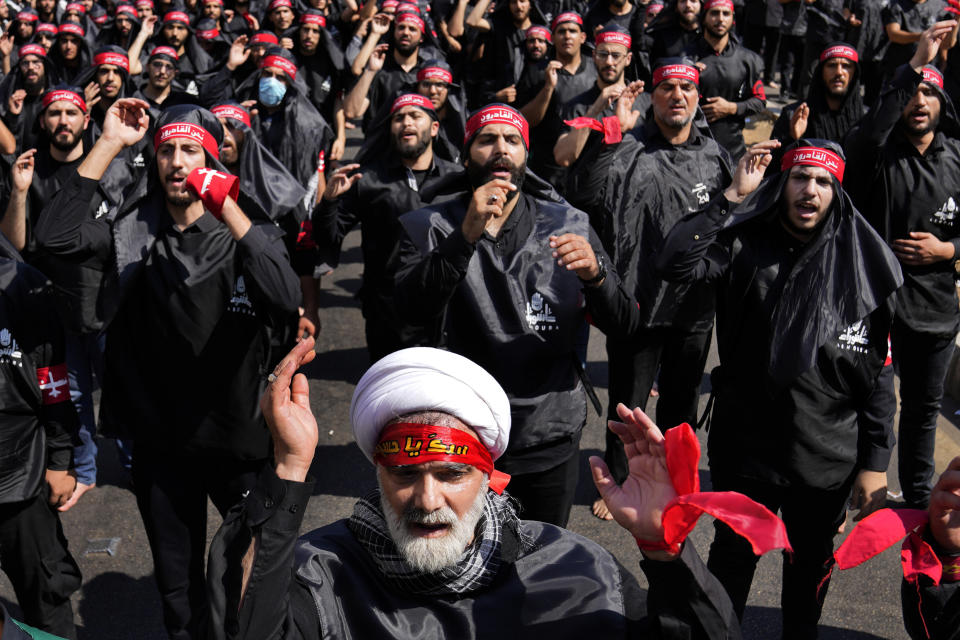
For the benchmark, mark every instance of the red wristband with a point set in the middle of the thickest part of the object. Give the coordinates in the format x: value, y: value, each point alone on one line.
x: 213, y: 187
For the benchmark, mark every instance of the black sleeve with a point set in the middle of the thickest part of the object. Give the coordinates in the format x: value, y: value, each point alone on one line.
x: 876, y: 126
x: 693, y: 250
x: 276, y: 605
x: 65, y: 226
x: 686, y: 601
x: 425, y: 283
x: 273, y: 283
x: 217, y: 88
x: 931, y: 608
x: 333, y: 220
x: 611, y: 308
x: 875, y: 424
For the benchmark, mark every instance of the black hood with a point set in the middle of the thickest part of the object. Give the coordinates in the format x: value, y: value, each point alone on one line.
x: 822, y: 123
x: 844, y: 273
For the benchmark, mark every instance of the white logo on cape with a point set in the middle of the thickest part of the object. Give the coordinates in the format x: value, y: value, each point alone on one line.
x: 539, y: 315
x: 947, y: 213
x: 703, y: 195
x: 9, y: 349
x: 239, y: 301
x: 854, y: 338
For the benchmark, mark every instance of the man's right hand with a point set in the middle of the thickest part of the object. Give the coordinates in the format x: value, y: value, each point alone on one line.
x: 487, y: 202
x: 286, y: 409
x: 945, y: 508
x: 22, y: 171
x: 380, y: 24
x: 238, y: 53
x: 552, y: 73
x: 507, y: 94
x: 798, y: 121
x: 340, y: 181
x: 929, y: 43
x: 604, y: 100
x: 377, y: 58
x: 6, y: 44
x: 126, y: 122
x: 15, y: 101
x: 749, y: 172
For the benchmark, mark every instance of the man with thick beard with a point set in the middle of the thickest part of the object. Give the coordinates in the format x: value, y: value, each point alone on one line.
x: 186, y: 266
x: 439, y: 547
x: 480, y: 273
x: 906, y: 156
x: 376, y: 196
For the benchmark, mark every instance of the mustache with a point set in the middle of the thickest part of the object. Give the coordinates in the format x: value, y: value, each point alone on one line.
x: 443, y: 515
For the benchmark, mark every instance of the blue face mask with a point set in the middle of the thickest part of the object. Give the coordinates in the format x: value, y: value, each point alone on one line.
x: 271, y: 91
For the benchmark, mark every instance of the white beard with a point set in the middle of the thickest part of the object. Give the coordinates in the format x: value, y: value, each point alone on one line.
x: 430, y: 555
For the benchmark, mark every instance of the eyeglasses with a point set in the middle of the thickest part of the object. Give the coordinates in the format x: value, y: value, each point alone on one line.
x: 30, y: 63
x: 162, y: 67
x: 603, y: 55
x: 427, y: 85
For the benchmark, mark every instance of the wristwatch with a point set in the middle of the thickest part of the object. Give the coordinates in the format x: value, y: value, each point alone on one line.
x: 601, y: 273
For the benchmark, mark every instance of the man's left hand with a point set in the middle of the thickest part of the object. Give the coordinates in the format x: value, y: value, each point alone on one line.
x: 869, y: 493
x: 921, y: 248
x: 716, y: 108
x: 576, y: 254
x: 62, y: 484
x: 945, y: 508
x: 286, y: 409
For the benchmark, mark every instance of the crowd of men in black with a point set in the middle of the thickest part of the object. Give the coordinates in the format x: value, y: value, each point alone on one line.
x: 627, y: 164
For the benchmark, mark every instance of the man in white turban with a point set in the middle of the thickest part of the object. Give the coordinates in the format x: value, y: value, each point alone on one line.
x: 437, y: 551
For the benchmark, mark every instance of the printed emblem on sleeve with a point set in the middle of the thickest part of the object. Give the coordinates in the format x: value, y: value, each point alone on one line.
x: 539, y: 315
x: 9, y: 349
x: 240, y: 301
x: 947, y: 213
x: 854, y: 338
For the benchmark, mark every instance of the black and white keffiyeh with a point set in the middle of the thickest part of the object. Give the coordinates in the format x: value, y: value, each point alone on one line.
x: 476, y: 569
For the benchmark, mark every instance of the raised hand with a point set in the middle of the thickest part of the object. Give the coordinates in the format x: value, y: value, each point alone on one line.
x: 340, y: 181
x: 798, y: 121
x: 487, y: 202
x: 929, y: 44
x: 126, y: 121
x: 15, y: 101
x: 551, y: 74
x: 239, y: 53
x: 286, y: 409
x: 6, y: 44
x: 380, y: 24
x: 749, y: 172
x: 375, y: 63
x: 22, y: 171
x: 626, y: 114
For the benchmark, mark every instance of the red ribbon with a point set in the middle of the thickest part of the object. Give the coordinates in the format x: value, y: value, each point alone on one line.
x: 434, y: 73
x: 412, y: 100
x: 840, y: 51
x: 497, y: 114
x: 762, y: 529
x: 187, y: 130
x: 681, y: 71
x: 233, y: 112
x: 72, y: 28
x: 116, y: 59
x: 610, y: 127
x: 814, y: 157
x: 281, y: 63
x: 64, y: 95
x: 313, y: 18
x: 406, y: 443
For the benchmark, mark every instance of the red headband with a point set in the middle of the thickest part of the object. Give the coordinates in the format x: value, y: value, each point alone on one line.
x: 713, y: 4
x: 413, y: 19
x: 276, y: 4
x: 390, y: 4
x: 219, y: 2
x: 840, y: 51
x: 125, y: 8
x: 406, y: 443
x: 144, y: 4
x: 932, y: 76
x: 233, y: 112
x: 176, y: 16
x: 101, y: 19
x: 313, y: 18
x: 165, y: 51
x: 568, y: 16
x: 434, y: 73
x: 814, y: 157
x: 187, y: 130
x: 681, y: 71
x: 407, y: 7
x: 412, y: 100
x: 614, y: 37
x: 264, y: 38
x: 23, y: 16
x: 207, y: 34
x: 76, y: 6
x: 71, y: 28
x: 110, y: 57
x: 497, y: 114
x: 539, y: 31
x: 281, y: 63
x: 31, y: 50
x: 46, y: 27
x: 64, y: 94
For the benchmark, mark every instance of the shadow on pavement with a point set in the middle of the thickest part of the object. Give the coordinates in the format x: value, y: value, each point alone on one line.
x: 765, y: 623
x: 123, y: 608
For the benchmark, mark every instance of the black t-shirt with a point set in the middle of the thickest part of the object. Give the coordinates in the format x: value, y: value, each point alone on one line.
x: 913, y: 17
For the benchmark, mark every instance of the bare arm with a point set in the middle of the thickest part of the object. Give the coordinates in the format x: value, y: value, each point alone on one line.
x: 377, y: 29
x: 455, y: 24
x: 535, y: 110
x: 136, y: 47
x: 899, y: 36
x: 14, y: 223
x: 476, y: 18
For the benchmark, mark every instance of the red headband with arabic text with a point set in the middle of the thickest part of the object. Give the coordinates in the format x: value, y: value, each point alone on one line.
x: 713, y: 4
x: 207, y: 34
x: 176, y: 16
x: 187, y: 130
x: 144, y: 4
x: 231, y: 111
x: 538, y: 31
x: 64, y: 95
x: 23, y: 16
x: 219, y: 2
x: 407, y: 7
x: 932, y: 76
x: 840, y: 51
x: 614, y: 37
x: 313, y: 18
x: 263, y: 38
x: 434, y: 73
x: 412, y: 100
x: 127, y: 9
x: 71, y: 28
x: 276, y: 4
x: 31, y: 50
x: 680, y: 71
x: 76, y: 6
x: 407, y: 443
x: 109, y: 57
x: 497, y: 114
x: 165, y: 51
x: 413, y: 19
x: 566, y: 16
x: 47, y: 27
x: 814, y: 157
x: 281, y: 63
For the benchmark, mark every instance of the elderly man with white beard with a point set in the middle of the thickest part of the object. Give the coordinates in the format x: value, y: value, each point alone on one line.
x: 438, y: 550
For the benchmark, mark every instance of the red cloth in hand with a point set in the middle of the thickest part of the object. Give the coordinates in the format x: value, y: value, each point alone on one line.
x: 213, y: 187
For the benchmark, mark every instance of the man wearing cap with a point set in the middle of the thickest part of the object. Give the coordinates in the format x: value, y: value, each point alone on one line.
x: 803, y: 404
x: 389, y: 184
x: 636, y: 191
x: 479, y: 273
x: 833, y: 105
x: 211, y: 319
x: 731, y: 77
x: 903, y: 158
x: 438, y: 545
x: 546, y: 87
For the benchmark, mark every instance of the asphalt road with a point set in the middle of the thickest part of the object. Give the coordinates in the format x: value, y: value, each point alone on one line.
x: 119, y: 600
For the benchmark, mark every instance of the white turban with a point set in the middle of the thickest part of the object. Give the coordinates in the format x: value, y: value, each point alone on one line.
x: 425, y: 379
